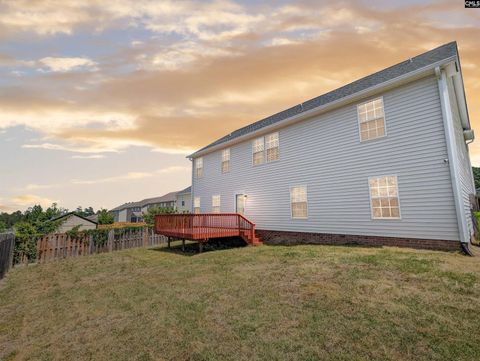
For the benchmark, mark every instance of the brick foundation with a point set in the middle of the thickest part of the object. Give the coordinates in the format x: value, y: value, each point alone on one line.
x: 293, y: 238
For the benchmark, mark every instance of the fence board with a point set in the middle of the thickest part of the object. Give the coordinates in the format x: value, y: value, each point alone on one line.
x: 7, y: 247
x: 61, y: 245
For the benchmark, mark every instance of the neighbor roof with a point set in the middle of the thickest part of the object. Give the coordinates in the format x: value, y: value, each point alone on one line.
x: 423, y: 60
x: 187, y: 190
x: 72, y: 214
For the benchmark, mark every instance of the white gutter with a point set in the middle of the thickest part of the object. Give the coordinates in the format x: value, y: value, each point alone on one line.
x: 403, y: 78
x: 452, y: 154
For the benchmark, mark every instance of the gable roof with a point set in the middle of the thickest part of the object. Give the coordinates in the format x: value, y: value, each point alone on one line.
x: 169, y: 197
x: 72, y: 214
x: 442, y: 53
x: 187, y: 190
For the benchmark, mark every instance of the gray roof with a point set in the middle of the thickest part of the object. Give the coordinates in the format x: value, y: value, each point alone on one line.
x: 430, y: 57
x: 187, y: 190
x: 72, y: 214
x: 169, y: 197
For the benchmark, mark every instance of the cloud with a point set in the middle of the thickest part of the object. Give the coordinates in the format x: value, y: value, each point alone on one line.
x: 67, y: 64
x: 93, y: 156
x: 27, y: 200
x: 131, y: 176
x: 212, y: 67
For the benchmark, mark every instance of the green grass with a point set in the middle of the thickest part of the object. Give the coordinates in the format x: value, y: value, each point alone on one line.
x: 253, y: 303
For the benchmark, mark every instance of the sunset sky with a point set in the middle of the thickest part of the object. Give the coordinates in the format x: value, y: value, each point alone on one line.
x: 100, y: 101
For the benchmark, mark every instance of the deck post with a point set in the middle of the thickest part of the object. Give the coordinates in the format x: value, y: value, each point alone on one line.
x: 183, y: 245
x: 168, y: 240
x: 200, y: 247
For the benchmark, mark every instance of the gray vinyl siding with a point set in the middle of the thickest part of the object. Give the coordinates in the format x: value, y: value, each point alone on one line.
x: 324, y: 153
x: 465, y: 175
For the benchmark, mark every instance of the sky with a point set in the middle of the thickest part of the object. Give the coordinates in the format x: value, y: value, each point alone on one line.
x: 101, y: 101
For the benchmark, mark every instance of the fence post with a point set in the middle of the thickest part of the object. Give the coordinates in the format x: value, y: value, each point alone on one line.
x: 111, y: 237
x: 145, y: 236
x: 12, y: 251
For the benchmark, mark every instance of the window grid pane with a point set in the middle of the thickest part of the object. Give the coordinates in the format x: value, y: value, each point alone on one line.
x: 225, y: 166
x: 372, y: 119
x: 216, y: 204
x: 298, y: 200
x: 196, y: 202
x: 258, y: 158
x: 384, y: 197
x: 199, y: 167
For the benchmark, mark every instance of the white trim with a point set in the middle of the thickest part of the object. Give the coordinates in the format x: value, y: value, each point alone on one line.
x: 413, y: 75
x: 290, y: 200
x: 452, y: 155
x: 384, y: 119
x: 398, y: 198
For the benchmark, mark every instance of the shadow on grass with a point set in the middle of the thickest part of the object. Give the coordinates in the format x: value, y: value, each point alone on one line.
x: 192, y: 247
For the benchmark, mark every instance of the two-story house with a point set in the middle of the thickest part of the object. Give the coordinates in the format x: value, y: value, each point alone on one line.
x: 383, y: 160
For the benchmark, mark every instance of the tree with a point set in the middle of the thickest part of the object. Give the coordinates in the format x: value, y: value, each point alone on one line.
x: 149, y: 217
x: 105, y: 217
x: 3, y: 226
x: 476, y: 176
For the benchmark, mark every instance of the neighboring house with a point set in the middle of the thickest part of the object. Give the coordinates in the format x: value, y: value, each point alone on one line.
x: 184, y: 200
x: 133, y: 211
x: 382, y: 160
x: 71, y: 220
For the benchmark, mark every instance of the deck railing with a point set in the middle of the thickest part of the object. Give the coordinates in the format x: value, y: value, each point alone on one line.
x: 205, y: 226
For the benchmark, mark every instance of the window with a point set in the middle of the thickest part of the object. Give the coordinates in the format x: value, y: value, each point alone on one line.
x: 298, y: 201
x: 196, y: 205
x: 198, y: 167
x: 226, y: 160
x: 384, y: 197
x: 265, y: 149
x: 216, y: 204
x: 271, y: 142
x: 371, y: 118
x: 258, y: 147
x: 183, y: 203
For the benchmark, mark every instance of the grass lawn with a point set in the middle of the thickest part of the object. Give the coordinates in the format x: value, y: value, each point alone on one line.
x: 252, y: 303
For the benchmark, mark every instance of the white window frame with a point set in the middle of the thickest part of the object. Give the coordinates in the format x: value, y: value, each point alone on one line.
x: 216, y: 196
x: 264, y: 151
x: 267, y: 146
x: 398, y: 198
x: 197, y: 160
x: 225, y: 159
x: 197, y: 205
x: 360, y: 122
x: 290, y: 200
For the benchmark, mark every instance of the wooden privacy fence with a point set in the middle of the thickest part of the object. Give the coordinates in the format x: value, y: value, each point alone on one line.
x: 62, y: 245
x: 7, y: 247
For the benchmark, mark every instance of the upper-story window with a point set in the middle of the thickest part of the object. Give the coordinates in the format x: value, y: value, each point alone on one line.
x: 258, y: 147
x: 226, y: 160
x: 196, y: 205
x: 265, y: 149
x: 271, y: 142
x: 384, y: 197
x: 216, y: 204
x: 199, y: 167
x: 371, y: 118
x: 298, y: 202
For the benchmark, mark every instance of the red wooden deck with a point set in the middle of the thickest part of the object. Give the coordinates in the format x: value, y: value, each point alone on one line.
x: 202, y: 227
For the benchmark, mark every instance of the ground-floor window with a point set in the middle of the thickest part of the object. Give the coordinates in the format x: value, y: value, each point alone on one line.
x: 384, y: 198
x: 298, y: 202
x: 196, y: 205
x: 216, y: 204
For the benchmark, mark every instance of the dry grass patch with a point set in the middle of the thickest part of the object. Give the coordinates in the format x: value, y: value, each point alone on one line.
x: 254, y: 303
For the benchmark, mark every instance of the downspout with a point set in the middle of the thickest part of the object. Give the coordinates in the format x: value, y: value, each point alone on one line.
x: 452, y: 156
x: 191, y: 189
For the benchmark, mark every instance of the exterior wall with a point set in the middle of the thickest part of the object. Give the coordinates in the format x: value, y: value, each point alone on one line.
x: 325, y: 154
x: 72, y: 221
x: 122, y: 215
x: 187, y: 199
x: 463, y: 160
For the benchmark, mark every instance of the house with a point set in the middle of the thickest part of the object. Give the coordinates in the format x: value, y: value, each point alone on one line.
x: 69, y: 221
x: 184, y: 200
x: 134, y: 211
x: 381, y: 161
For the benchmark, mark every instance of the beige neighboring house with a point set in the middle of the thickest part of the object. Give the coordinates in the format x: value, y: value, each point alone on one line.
x: 71, y: 220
